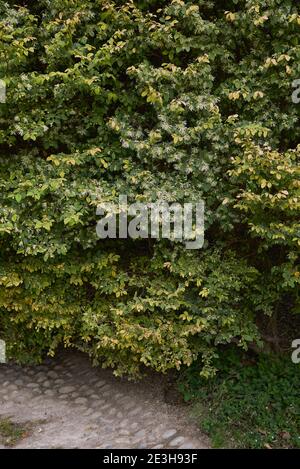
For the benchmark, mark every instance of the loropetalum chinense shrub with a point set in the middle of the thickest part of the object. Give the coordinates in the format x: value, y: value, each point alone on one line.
x: 164, y: 100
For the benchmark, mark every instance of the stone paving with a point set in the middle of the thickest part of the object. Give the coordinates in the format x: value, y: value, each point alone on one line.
x: 70, y: 404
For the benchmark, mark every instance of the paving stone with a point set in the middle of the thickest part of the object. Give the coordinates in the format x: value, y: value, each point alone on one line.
x: 66, y: 389
x: 127, y: 405
x: 59, y: 382
x: 88, y: 412
x: 40, y: 375
x: 135, y: 411
x: 80, y: 400
x: 12, y: 387
x: 105, y: 407
x: 134, y: 425
x: 46, y: 384
x: 177, y: 441
x: 100, y: 384
x: 96, y: 403
x: 97, y: 415
x: 19, y: 382
x: 40, y: 379
x: 187, y: 445
x: 140, y: 434
x: 32, y: 385
x: 168, y: 434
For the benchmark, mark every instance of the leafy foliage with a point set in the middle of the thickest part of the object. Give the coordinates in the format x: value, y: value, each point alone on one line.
x: 250, y: 404
x: 174, y: 100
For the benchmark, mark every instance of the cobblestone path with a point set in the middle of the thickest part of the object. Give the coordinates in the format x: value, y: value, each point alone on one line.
x: 70, y: 404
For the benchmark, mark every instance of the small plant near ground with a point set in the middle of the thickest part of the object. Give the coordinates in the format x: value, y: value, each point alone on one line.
x: 251, y: 403
x: 11, y: 432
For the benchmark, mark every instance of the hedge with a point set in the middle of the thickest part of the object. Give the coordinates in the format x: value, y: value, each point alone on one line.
x: 174, y: 100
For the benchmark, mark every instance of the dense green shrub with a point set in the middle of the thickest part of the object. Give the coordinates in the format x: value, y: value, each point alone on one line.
x: 174, y: 100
